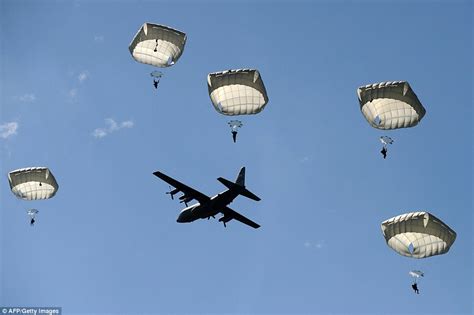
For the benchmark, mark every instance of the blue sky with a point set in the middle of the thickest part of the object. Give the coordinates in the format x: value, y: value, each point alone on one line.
x: 108, y: 242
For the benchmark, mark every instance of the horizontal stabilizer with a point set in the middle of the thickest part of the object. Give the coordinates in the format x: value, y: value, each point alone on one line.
x: 250, y: 195
x: 230, y: 214
x: 238, y: 188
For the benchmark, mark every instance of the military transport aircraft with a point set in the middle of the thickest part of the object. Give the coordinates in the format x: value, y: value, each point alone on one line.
x: 210, y: 206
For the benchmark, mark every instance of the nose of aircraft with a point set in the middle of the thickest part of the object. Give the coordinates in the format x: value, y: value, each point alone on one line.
x: 183, y: 217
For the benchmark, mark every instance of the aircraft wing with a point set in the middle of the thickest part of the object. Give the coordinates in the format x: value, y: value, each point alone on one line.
x: 188, y: 191
x: 230, y: 214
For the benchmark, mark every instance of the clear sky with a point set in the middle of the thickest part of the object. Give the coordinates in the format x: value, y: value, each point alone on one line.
x: 108, y: 242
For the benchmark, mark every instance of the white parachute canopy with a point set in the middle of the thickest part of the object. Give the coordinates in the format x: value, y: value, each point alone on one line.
x: 237, y: 92
x: 157, y: 45
x: 416, y: 273
x: 418, y: 235
x: 386, y: 140
x: 33, y: 183
x: 390, y: 105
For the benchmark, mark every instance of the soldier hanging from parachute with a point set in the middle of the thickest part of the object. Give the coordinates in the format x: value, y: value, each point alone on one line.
x: 237, y: 92
x: 157, y: 45
x: 415, y: 275
x: 418, y: 235
x: 31, y: 184
x: 390, y: 106
x: 385, y: 141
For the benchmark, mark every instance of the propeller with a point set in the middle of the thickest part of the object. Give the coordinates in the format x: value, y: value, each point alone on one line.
x: 185, y: 199
x: 171, y: 192
x: 224, y: 219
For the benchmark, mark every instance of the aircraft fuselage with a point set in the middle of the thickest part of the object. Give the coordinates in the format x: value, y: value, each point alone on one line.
x: 208, y: 209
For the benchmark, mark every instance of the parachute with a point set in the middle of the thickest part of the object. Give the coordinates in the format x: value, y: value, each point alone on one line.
x: 157, y: 45
x: 34, y: 183
x: 237, y: 92
x: 418, y: 235
x: 390, y: 105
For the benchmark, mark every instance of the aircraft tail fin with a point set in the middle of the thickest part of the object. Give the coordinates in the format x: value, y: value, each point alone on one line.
x: 239, y: 185
x: 240, y: 180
